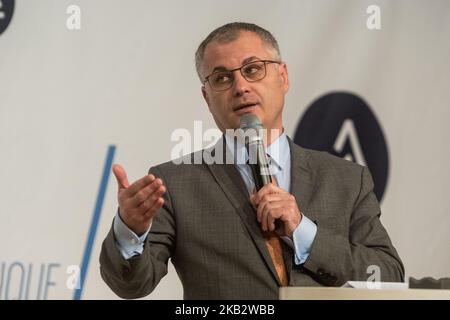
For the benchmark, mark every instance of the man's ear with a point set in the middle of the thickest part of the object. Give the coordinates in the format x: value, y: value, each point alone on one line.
x: 284, y: 76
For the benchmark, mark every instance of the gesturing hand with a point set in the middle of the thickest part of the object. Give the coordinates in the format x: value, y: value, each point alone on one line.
x: 272, y: 202
x: 140, y: 201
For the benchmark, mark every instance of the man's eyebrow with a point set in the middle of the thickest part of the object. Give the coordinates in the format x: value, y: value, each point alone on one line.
x: 247, y: 60
x: 219, y: 68
x: 250, y: 59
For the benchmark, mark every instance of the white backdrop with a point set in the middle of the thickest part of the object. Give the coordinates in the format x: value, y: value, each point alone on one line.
x: 127, y: 79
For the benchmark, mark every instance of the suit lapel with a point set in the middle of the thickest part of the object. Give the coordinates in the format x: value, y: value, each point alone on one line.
x: 301, y: 188
x: 302, y: 182
x: 230, y: 180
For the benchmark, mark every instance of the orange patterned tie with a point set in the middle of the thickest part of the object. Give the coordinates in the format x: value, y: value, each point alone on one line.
x: 273, y: 244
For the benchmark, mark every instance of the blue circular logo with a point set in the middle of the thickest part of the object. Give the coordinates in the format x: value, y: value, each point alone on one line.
x: 343, y: 124
x: 6, y: 13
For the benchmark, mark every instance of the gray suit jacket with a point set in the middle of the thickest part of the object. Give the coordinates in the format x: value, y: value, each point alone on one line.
x: 209, y: 230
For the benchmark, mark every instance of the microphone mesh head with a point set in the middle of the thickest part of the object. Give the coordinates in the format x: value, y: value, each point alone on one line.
x: 250, y: 121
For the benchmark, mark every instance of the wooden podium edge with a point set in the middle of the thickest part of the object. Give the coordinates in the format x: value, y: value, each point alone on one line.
x: 328, y: 293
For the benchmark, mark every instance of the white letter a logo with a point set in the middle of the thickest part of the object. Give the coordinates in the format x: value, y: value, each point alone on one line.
x: 348, y: 132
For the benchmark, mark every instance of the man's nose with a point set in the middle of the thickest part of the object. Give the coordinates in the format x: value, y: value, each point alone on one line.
x: 240, y: 84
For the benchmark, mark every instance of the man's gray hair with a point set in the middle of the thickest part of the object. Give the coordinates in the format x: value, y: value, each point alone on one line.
x: 229, y: 33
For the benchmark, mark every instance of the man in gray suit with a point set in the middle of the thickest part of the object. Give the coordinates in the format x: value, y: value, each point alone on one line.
x: 220, y: 234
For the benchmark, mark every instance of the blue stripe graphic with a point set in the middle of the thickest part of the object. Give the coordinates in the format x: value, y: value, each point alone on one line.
x: 95, y: 218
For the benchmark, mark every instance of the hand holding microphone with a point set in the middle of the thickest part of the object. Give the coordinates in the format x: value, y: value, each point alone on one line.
x: 271, y: 202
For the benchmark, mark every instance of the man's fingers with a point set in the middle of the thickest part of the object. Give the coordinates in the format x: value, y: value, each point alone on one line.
x: 268, y: 217
x: 146, y: 193
x: 269, y: 213
x: 270, y: 222
x: 263, y: 221
x: 269, y: 198
x: 140, y: 184
x: 252, y: 200
x: 151, y: 198
x: 121, y: 176
x: 267, y: 189
x: 156, y: 206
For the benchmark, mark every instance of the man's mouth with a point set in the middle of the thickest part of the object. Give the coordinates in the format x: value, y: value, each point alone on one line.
x: 243, y: 107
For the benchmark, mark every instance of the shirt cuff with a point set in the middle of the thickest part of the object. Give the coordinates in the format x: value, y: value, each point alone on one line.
x: 128, y: 242
x: 303, y: 238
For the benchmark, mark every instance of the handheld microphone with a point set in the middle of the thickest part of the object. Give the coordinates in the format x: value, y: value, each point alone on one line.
x: 252, y: 127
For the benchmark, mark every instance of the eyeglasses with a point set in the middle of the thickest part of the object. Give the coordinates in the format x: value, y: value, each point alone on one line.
x: 252, y: 71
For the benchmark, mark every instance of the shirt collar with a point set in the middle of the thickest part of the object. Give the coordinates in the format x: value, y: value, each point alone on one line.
x: 278, y: 150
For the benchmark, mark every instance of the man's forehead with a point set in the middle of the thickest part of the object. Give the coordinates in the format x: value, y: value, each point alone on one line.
x: 225, y: 66
x: 233, y: 54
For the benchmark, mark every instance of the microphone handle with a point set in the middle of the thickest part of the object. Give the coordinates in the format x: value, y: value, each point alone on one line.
x: 264, y: 166
x: 263, y: 175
